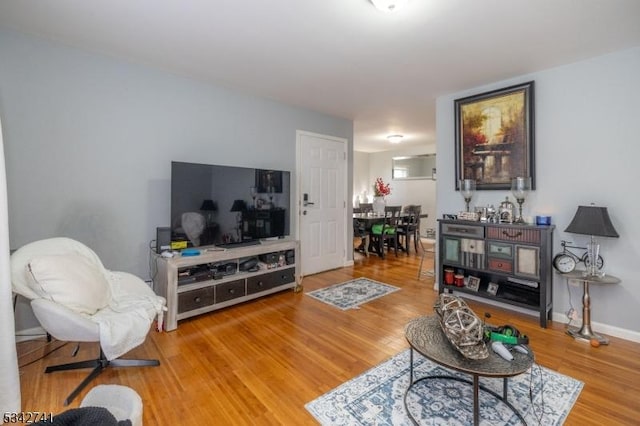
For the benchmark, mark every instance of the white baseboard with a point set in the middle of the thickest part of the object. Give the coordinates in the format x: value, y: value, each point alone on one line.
x: 600, y: 328
x: 30, y: 334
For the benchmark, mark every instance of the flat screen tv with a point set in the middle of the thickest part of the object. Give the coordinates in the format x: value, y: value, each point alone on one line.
x: 227, y: 205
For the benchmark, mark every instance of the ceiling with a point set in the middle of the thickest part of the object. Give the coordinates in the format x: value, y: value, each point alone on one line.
x: 341, y: 57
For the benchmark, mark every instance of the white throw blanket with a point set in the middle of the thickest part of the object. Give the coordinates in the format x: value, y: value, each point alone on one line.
x: 121, y: 333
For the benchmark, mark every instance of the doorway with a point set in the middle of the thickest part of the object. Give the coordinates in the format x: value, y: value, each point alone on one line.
x: 322, y: 208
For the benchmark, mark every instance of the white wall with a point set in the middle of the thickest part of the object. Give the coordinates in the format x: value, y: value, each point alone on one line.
x: 362, y: 183
x: 89, y: 141
x: 403, y: 192
x: 587, y: 151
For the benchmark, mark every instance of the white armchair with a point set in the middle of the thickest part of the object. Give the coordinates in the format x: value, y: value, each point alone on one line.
x: 76, y: 299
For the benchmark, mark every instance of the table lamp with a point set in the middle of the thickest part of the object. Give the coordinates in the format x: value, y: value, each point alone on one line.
x: 594, y: 221
x: 208, y: 206
x: 467, y: 188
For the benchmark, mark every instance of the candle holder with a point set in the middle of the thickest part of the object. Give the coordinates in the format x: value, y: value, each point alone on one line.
x: 467, y: 188
x: 520, y: 187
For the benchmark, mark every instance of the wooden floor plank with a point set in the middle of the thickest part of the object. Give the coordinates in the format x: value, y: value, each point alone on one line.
x: 260, y: 362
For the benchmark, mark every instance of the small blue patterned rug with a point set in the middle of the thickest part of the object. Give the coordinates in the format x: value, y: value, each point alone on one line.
x: 351, y: 294
x: 376, y: 397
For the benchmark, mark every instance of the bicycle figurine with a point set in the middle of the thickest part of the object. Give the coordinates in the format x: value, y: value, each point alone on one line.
x: 566, y: 261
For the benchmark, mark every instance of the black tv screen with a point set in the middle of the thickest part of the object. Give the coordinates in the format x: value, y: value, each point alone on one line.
x: 226, y: 205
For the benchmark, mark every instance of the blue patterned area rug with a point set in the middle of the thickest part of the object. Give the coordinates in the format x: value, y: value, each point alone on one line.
x: 351, y: 294
x: 376, y: 397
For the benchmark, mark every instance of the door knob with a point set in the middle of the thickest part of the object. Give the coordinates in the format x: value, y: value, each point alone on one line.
x: 305, y: 200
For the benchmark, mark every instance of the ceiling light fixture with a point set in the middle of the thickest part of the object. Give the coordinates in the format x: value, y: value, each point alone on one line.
x: 389, y: 6
x: 395, y: 138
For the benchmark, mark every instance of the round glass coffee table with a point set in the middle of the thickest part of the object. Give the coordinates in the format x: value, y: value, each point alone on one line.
x: 426, y: 337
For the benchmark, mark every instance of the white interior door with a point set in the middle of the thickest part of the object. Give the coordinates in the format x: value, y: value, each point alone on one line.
x: 321, y: 201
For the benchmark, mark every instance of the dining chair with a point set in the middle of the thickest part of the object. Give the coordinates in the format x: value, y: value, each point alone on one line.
x: 410, y: 227
x: 360, y: 231
x: 385, y: 233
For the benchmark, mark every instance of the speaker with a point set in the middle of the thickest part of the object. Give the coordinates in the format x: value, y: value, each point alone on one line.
x: 163, y: 239
x: 291, y: 257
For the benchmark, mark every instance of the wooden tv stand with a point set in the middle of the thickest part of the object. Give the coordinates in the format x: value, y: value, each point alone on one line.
x: 194, y: 285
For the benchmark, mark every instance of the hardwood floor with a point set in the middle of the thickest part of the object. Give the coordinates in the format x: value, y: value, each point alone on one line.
x: 262, y: 361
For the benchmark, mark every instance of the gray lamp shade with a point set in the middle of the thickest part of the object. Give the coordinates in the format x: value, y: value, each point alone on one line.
x: 208, y: 205
x: 238, y: 206
x: 592, y: 220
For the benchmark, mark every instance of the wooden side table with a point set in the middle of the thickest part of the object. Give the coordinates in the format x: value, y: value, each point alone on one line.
x: 585, y: 332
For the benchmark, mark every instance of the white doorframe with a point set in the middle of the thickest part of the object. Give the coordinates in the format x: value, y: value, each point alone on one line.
x: 298, y: 203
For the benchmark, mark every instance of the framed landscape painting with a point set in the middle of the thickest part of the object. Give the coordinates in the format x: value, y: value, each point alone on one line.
x: 494, y: 137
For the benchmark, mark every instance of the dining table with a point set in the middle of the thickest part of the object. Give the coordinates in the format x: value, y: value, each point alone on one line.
x: 372, y: 218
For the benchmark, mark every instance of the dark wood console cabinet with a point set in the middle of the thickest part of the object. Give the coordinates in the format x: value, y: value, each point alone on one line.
x: 515, y: 259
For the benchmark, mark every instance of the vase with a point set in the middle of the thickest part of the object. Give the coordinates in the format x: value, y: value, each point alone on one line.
x: 379, y: 204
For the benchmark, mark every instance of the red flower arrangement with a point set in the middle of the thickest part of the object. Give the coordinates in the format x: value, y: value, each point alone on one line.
x: 381, y: 189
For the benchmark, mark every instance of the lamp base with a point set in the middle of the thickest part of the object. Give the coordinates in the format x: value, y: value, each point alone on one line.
x: 586, y: 334
x: 593, y: 251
